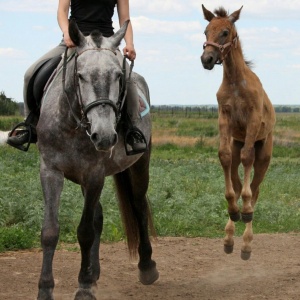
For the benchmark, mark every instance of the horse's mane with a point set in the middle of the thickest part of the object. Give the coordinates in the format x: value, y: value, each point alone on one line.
x: 221, y: 12
x: 97, y: 37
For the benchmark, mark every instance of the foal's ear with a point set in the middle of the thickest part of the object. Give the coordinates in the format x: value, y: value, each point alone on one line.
x: 235, y: 15
x: 76, y: 36
x: 208, y: 15
x: 119, y: 35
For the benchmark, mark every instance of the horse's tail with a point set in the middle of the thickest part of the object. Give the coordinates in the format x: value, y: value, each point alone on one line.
x: 123, y: 184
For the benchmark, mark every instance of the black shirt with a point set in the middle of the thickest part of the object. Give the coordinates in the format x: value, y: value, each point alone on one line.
x: 93, y: 14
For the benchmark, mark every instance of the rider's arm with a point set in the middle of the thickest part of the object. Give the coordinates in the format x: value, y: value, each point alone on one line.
x: 63, y: 21
x: 123, y: 13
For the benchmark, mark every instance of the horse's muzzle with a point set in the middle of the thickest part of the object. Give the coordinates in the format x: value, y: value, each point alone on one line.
x: 208, y: 60
x: 104, y: 143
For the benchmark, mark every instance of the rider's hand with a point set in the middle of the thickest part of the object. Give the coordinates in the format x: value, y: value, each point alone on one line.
x: 69, y: 43
x: 129, y: 51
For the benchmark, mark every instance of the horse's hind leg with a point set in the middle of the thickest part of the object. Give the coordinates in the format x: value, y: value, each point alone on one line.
x: 263, y: 153
x: 88, y: 234
x: 52, y: 184
x: 237, y: 186
x: 132, y: 185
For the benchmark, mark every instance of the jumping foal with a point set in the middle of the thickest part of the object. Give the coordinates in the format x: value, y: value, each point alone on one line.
x: 246, y: 122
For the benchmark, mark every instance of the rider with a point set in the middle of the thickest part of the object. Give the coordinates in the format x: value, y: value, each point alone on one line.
x: 89, y: 15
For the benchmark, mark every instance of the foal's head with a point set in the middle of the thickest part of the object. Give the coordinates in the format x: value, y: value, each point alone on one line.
x: 221, y: 35
x: 97, y: 76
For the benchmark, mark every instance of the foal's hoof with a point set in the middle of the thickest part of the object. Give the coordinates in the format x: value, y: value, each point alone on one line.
x: 228, y: 249
x: 235, y: 217
x: 245, y: 255
x: 149, y: 276
x: 84, y: 294
x: 247, y: 218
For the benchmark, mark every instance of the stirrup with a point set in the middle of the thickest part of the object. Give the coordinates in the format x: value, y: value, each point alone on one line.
x: 28, y: 128
x: 129, y: 150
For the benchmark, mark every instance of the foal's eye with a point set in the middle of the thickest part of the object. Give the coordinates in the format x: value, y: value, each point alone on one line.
x: 225, y: 33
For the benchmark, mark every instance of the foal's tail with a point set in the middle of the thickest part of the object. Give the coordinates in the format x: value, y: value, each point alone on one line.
x: 123, y: 184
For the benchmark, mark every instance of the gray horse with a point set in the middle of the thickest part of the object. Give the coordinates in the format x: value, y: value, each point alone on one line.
x: 84, y: 98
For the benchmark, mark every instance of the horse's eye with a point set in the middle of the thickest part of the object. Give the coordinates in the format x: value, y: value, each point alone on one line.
x: 225, y: 33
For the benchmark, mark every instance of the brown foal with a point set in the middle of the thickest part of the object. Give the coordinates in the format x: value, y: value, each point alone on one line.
x: 246, y: 122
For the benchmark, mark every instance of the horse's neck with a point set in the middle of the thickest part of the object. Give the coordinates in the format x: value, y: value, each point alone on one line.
x: 234, y: 65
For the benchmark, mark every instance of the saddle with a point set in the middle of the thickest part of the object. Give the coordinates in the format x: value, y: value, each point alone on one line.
x: 38, y: 82
x: 35, y: 91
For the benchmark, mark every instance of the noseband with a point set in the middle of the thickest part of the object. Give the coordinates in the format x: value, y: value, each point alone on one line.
x: 222, y: 48
x: 84, y: 109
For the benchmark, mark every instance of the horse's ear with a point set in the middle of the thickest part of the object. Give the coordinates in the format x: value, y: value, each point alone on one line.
x: 119, y: 35
x: 208, y: 15
x: 76, y: 36
x: 235, y: 15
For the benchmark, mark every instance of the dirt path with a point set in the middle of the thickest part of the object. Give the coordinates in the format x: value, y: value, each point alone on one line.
x: 193, y: 268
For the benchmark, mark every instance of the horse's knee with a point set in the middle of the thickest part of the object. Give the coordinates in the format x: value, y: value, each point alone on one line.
x: 247, y: 156
x: 49, y: 235
x: 225, y: 158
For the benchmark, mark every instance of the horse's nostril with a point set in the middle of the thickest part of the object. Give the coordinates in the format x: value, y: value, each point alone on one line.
x: 94, y: 137
x: 209, y: 59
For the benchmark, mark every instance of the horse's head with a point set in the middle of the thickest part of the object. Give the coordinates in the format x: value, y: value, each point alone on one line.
x: 220, y: 36
x: 97, y: 74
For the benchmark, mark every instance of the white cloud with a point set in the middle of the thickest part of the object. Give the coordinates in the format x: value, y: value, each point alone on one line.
x: 11, y: 53
x: 159, y: 7
x: 267, y: 9
x: 151, y: 26
x: 29, y: 6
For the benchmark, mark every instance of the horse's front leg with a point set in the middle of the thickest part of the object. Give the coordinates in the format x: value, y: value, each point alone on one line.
x: 90, y: 225
x: 52, y: 184
x: 225, y: 157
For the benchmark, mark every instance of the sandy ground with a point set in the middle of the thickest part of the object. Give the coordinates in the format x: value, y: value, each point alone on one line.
x: 190, y: 268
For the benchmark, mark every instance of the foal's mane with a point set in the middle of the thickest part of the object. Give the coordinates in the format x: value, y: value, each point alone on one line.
x: 221, y: 12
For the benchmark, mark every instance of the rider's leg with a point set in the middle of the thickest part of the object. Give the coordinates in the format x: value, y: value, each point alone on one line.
x: 27, y: 134
x: 134, y: 137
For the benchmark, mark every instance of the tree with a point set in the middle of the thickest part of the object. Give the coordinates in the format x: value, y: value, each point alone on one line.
x: 8, y: 107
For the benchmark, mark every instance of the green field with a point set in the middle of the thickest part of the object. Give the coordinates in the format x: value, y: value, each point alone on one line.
x: 186, y: 186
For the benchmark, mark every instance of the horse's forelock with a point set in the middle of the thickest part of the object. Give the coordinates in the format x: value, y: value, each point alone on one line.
x: 221, y: 12
x: 97, y: 37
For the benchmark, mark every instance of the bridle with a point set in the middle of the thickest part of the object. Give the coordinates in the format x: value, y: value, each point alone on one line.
x: 222, y: 48
x: 83, y: 122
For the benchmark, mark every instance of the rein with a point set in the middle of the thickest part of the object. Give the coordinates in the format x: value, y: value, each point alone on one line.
x: 222, y: 48
x: 84, y: 109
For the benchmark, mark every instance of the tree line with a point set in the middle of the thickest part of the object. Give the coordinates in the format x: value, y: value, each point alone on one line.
x: 8, y: 107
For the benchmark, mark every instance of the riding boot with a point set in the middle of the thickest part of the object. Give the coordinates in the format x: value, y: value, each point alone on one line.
x: 24, y: 133
x: 134, y: 137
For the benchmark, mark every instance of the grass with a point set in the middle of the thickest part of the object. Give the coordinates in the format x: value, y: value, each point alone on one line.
x: 189, y: 201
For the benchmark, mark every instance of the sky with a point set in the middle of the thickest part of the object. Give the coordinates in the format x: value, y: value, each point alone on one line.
x: 168, y: 38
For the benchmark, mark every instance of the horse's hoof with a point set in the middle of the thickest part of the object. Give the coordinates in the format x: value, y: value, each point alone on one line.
x: 247, y: 218
x: 228, y: 249
x: 235, y: 217
x: 84, y: 294
x: 45, y: 294
x: 245, y: 255
x: 149, y: 276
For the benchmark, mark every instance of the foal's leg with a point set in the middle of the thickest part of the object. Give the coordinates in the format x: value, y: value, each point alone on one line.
x: 52, y: 184
x: 86, y: 232
x: 263, y: 153
x: 139, y: 174
x: 225, y: 157
x: 237, y: 186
